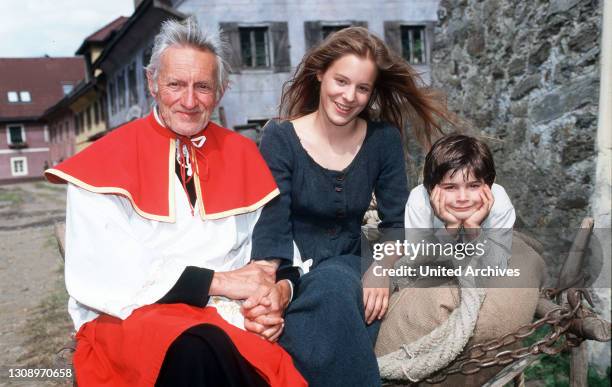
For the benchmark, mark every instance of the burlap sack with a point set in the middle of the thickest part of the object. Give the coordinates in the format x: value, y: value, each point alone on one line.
x: 414, y: 312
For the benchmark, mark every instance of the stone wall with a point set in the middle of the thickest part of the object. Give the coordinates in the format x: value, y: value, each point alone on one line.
x: 526, y: 75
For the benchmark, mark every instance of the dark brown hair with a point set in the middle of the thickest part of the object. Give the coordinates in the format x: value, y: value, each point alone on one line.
x: 399, y: 95
x: 456, y: 152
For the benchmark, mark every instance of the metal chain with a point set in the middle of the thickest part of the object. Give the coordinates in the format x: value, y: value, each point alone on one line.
x: 478, y: 356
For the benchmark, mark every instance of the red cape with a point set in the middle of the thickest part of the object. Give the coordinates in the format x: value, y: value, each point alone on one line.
x: 138, y: 159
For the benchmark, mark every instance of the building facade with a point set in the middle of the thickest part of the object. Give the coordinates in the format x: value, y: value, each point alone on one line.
x: 80, y: 117
x: 28, y: 87
x: 123, y: 60
x: 268, y: 40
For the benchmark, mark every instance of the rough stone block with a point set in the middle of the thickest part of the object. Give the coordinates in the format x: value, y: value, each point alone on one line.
x: 516, y: 67
x: 519, y: 109
x: 565, y: 99
x: 577, y: 148
x: 573, y: 199
x: 525, y: 86
x: 540, y: 54
x: 476, y: 43
x: 585, y: 39
x: 560, y: 6
x: 590, y: 57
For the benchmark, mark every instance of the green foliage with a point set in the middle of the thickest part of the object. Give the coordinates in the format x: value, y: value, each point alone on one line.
x: 11, y: 196
x: 594, y: 379
x: 554, y: 371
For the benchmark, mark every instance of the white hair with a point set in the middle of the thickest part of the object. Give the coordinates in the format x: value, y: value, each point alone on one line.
x: 189, y: 33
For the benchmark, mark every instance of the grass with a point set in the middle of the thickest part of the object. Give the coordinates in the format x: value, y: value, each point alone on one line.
x: 14, y: 197
x: 554, y: 371
x: 48, y: 328
x: 49, y: 186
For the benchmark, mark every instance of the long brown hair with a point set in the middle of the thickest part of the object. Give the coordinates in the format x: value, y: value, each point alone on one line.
x: 399, y: 96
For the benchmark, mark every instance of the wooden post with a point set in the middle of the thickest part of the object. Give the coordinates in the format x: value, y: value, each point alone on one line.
x: 571, y: 274
x: 579, y: 366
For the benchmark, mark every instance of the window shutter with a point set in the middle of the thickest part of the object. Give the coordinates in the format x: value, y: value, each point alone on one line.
x: 393, y: 36
x: 280, y: 44
x: 312, y: 33
x: 231, y: 34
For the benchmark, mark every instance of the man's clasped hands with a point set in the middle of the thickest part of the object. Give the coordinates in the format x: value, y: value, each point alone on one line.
x: 265, y: 300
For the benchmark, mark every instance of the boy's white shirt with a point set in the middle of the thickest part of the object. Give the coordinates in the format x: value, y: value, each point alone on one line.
x: 420, y: 215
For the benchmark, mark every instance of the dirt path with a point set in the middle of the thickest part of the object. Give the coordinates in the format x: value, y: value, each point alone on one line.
x: 33, y: 320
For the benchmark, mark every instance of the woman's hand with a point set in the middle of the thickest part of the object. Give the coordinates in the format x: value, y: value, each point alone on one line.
x: 265, y: 318
x: 375, y: 302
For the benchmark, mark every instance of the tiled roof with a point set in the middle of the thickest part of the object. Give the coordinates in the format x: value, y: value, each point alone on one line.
x: 43, y: 78
x: 103, y: 33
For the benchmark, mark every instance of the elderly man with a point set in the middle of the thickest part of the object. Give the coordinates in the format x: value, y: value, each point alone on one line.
x: 158, y: 237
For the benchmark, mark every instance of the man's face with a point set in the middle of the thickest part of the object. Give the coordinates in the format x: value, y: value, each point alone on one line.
x: 186, y: 89
x: 461, y: 193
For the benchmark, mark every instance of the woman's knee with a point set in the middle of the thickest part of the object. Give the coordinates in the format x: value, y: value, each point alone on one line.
x: 332, y: 281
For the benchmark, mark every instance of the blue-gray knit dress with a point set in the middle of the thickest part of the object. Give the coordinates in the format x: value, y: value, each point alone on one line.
x: 322, y: 211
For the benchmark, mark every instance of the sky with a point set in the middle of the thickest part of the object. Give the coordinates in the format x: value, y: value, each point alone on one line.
x: 33, y: 28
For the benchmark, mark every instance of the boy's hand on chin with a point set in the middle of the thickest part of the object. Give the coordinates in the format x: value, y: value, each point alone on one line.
x: 475, y: 220
x: 451, y: 222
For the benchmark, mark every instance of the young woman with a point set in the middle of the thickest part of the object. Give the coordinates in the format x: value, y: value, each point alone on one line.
x: 344, y: 111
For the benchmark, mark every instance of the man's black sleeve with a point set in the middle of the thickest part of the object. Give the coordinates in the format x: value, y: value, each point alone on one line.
x: 191, y: 288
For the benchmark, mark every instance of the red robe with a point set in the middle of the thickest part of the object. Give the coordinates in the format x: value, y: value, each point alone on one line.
x: 138, y: 161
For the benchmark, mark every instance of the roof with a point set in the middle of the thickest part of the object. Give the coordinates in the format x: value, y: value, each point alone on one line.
x: 103, y: 34
x: 42, y: 77
x: 147, y: 16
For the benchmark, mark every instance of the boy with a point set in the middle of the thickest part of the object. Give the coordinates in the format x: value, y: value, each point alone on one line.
x: 458, y: 192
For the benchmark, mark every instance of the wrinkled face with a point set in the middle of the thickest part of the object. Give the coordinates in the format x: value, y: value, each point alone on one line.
x: 186, y: 89
x: 461, y: 193
x: 346, y: 88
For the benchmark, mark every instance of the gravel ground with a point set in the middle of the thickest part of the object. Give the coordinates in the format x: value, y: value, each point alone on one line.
x: 34, y: 323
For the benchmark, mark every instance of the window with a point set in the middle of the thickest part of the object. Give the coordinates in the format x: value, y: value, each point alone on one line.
x: 22, y: 96
x: 112, y: 97
x: 261, y: 46
x: 132, y: 84
x: 82, y: 121
x: 413, y: 44
x: 77, y: 128
x: 254, y: 47
x: 96, y: 108
x: 102, y: 107
x: 15, y: 134
x: 88, y: 117
x: 121, y: 89
x: 146, y: 58
x: 67, y: 88
x: 328, y: 30
x: 13, y: 96
x: 19, y: 166
x: 316, y: 31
